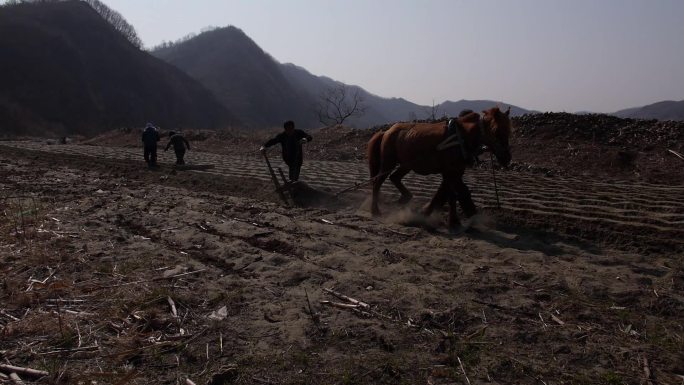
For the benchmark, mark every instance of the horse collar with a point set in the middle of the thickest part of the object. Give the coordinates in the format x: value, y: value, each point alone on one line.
x: 454, y: 138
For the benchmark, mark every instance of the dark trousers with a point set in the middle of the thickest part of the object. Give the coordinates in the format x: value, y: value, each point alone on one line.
x: 294, y: 167
x: 151, y: 155
x: 180, y: 154
x: 466, y: 202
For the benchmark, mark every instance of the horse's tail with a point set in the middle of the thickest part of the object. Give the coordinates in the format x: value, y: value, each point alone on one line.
x: 374, y: 153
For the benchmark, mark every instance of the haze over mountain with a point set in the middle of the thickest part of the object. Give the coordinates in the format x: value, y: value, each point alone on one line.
x: 665, y: 110
x: 71, y: 71
x: 264, y: 92
x: 64, y: 69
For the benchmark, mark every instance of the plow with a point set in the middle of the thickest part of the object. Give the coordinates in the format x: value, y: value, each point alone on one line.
x: 295, y: 193
x: 287, y: 190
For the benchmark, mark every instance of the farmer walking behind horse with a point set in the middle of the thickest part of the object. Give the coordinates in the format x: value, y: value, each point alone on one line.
x: 150, y: 137
x: 180, y: 144
x: 291, y: 141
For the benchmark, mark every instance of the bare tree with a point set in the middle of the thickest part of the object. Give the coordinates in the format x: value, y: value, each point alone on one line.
x: 336, y: 104
x: 117, y: 21
x: 114, y: 18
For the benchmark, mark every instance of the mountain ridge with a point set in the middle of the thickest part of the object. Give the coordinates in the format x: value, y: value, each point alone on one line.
x: 296, y: 90
x: 240, y: 74
x: 662, y: 110
x: 60, y: 79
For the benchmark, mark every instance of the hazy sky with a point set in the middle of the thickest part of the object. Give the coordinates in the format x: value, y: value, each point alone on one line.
x: 560, y: 55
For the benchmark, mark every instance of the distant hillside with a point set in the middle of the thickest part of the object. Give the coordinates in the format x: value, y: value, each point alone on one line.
x: 242, y: 76
x: 64, y: 69
x: 665, y: 110
x: 264, y: 93
x: 379, y: 110
x: 385, y: 110
x: 453, y: 108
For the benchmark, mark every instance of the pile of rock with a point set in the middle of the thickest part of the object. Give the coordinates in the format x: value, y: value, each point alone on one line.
x: 600, y: 129
x: 339, y: 143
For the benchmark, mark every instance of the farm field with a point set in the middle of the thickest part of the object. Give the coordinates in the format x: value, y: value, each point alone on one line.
x: 112, y: 273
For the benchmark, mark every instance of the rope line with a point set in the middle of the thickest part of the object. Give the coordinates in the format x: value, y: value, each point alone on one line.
x: 496, y: 188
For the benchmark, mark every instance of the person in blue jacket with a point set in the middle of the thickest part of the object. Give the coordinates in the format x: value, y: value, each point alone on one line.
x: 150, y: 137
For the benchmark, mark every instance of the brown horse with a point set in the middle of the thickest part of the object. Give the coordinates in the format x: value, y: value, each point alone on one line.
x: 434, y: 148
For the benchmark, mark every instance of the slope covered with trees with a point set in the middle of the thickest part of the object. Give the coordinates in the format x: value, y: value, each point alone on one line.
x: 114, y: 18
x: 242, y: 76
x: 72, y: 71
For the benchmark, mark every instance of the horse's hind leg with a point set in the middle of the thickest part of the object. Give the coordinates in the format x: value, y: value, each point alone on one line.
x: 377, y: 184
x: 396, y: 179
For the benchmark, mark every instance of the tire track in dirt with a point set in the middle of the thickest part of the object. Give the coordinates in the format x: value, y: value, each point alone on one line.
x: 641, y: 214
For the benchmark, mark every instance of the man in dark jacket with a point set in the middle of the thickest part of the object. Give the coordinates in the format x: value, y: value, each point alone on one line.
x: 150, y: 137
x: 291, y: 141
x: 179, y: 146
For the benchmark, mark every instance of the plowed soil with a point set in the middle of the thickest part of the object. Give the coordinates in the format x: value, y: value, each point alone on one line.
x: 572, y: 280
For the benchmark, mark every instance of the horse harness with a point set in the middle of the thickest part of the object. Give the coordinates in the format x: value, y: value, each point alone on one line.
x: 454, y: 137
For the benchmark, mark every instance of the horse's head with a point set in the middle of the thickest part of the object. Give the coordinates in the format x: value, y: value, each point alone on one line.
x: 496, y: 132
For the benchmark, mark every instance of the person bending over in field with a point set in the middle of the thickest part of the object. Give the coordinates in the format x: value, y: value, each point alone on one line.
x: 180, y: 144
x: 291, y: 141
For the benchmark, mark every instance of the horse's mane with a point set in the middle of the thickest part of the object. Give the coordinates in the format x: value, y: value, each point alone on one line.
x: 471, y: 117
x: 503, y: 122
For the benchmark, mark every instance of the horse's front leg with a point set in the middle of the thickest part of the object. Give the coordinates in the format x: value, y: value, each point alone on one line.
x: 459, y: 192
x: 464, y: 198
x: 437, y: 200
x: 454, y: 222
x: 396, y: 179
